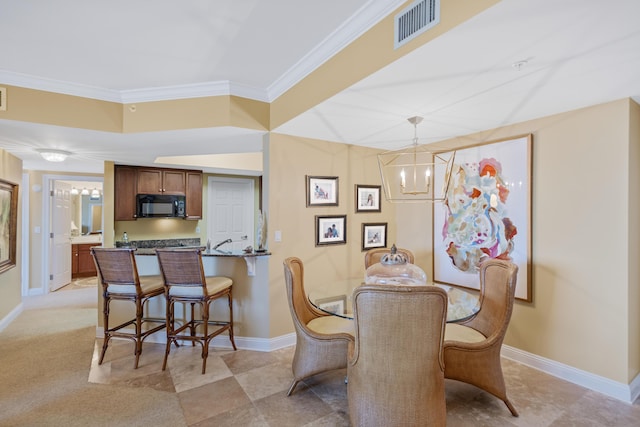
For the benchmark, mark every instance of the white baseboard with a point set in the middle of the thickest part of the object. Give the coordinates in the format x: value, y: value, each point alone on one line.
x: 6, y: 320
x: 222, y: 341
x: 35, y: 291
x: 624, y: 392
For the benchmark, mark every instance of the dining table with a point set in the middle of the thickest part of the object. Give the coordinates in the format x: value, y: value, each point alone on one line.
x: 462, y: 303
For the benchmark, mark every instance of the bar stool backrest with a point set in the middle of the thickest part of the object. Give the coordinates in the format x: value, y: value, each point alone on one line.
x: 183, y: 268
x: 117, y: 269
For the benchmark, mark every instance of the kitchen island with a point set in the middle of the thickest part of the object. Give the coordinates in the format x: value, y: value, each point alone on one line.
x: 250, y: 292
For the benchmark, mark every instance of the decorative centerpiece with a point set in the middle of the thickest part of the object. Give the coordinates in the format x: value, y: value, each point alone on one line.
x: 393, y: 269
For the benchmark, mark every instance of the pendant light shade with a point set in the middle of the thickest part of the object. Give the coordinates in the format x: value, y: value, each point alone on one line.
x: 416, y: 173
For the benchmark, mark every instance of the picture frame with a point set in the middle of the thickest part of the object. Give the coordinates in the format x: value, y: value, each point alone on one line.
x: 492, y: 183
x: 368, y: 198
x: 335, y: 305
x: 331, y: 230
x: 322, y: 190
x: 8, y: 224
x: 374, y: 235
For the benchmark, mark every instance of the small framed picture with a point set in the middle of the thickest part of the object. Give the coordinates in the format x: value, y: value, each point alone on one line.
x: 367, y: 198
x: 331, y: 230
x: 374, y: 235
x: 322, y: 190
x: 335, y: 305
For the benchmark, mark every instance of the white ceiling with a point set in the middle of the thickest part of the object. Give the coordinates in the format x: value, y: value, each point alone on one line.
x: 578, y: 53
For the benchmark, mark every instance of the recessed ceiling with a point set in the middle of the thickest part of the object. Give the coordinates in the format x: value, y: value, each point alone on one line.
x: 577, y: 53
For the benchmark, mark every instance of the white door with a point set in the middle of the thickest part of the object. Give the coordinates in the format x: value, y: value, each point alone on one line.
x: 231, y: 212
x: 60, y: 238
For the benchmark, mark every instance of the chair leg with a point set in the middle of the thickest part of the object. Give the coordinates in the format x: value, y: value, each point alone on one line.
x: 107, y: 335
x: 233, y: 343
x: 169, y: 327
x: 205, y: 340
x: 512, y: 408
x: 193, y: 324
x: 293, y: 385
x: 138, y: 337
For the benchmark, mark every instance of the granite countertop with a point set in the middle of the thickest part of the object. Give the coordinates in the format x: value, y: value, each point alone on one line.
x: 91, y: 238
x: 212, y: 252
x: 148, y: 247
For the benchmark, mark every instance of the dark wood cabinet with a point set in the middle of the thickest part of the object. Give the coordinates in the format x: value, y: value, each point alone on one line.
x: 161, y: 181
x: 82, y: 264
x: 125, y: 183
x: 194, y: 195
x: 129, y: 181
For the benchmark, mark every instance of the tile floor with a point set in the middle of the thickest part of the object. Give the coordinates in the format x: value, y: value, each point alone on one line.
x: 248, y: 388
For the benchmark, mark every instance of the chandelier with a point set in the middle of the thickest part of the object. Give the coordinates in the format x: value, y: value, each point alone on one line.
x: 416, y: 173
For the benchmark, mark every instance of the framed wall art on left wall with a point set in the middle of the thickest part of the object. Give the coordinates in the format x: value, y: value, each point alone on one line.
x: 8, y: 224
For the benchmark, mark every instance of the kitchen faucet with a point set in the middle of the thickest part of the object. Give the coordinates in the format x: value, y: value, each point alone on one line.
x: 217, y: 245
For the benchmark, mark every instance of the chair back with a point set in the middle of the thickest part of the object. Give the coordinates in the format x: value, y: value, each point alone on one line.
x: 302, y: 312
x: 183, y: 267
x: 396, y: 368
x: 117, y: 269
x: 373, y: 256
x: 497, y: 293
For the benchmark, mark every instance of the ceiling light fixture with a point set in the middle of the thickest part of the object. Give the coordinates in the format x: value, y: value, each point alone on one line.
x: 84, y: 192
x: 416, y: 173
x: 75, y: 191
x: 95, y: 194
x: 52, y: 155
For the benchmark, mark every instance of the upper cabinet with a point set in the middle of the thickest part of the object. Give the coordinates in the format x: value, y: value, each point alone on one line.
x: 129, y: 181
x: 125, y: 183
x: 162, y: 181
x: 194, y: 195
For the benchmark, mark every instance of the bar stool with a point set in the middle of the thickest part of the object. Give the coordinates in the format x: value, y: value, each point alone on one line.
x: 185, y: 282
x: 120, y: 281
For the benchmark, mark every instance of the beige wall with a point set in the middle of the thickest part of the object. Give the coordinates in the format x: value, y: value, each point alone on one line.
x: 633, y: 299
x: 10, y: 280
x: 585, y: 250
x: 290, y: 159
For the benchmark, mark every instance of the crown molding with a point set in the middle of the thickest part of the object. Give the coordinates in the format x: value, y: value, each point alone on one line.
x: 361, y: 21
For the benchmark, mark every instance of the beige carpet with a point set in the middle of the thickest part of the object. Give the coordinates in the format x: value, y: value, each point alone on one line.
x: 45, y: 358
x: 81, y: 282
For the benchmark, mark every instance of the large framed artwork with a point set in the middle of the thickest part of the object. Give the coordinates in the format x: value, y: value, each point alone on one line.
x: 8, y: 224
x: 487, y: 213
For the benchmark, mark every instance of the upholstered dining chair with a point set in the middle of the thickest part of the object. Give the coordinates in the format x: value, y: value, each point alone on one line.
x: 118, y: 274
x: 373, y: 256
x: 396, y: 369
x: 472, y: 347
x: 321, y: 339
x: 185, y: 282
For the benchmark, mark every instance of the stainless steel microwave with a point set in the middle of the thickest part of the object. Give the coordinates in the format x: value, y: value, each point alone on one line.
x: 160, y: 206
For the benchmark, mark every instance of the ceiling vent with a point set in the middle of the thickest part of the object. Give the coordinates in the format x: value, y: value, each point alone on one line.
x: 3, y: 98
x: 415, y: 19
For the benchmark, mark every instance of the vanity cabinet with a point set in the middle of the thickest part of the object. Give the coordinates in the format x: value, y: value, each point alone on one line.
x: 129, y: 181
x: 82, y: 264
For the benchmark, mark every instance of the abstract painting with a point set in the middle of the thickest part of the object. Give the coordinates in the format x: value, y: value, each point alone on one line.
x: 486, y: 214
